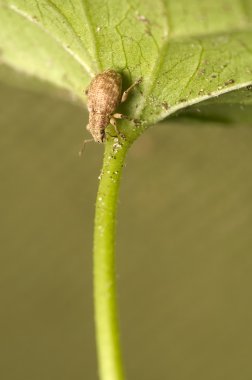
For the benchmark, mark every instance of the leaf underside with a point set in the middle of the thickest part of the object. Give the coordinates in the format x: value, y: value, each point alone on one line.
x: 186, y: 52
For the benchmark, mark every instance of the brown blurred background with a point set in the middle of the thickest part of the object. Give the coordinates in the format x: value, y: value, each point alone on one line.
x: 184, y: 247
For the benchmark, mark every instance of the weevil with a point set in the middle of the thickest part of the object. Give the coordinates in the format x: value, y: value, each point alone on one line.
x: 104, y: 95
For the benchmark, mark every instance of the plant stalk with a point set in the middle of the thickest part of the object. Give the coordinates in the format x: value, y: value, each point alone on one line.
x: 105, y: 300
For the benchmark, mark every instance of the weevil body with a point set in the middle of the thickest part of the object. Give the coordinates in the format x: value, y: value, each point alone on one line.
x: 104, y: 95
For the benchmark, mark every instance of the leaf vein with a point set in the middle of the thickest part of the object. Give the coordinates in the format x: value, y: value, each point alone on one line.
x: 29, y: 18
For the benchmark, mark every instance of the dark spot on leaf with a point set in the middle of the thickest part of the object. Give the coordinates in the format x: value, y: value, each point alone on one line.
x: 214, y: 76
x: 165, y: 105
x: 202, y: 72
x: 249, y: 87
x: 146, y: 22
x: 228, y: 82
x: 143, y: 19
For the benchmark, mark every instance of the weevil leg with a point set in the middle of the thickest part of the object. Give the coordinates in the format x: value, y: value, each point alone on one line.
x: 86, y: 91
x: 113, y: 122
x: 83, y: 146
x: 121, y: 116
x: 126, y: 93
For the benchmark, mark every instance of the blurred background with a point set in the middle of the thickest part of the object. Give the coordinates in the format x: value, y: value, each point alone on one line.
x: 183, y: 251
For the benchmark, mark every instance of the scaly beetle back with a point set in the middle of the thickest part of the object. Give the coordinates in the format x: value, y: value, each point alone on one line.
x: 104, y: 95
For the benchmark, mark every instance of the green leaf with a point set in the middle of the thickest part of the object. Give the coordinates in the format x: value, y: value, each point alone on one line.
x: 185, y: 51
x: 234, y: 107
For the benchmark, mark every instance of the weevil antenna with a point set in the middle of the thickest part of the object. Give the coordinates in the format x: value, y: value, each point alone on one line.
x: 83, y: 146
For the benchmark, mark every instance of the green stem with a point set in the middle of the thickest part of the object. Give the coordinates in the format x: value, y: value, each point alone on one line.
x: 106, y: 319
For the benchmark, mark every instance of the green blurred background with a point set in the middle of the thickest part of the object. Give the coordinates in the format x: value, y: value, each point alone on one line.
x: 183, y: 252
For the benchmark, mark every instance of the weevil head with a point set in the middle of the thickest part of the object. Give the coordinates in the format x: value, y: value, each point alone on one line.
x: 96, y: 126
x: 103, y: 136
x: 99, y: 135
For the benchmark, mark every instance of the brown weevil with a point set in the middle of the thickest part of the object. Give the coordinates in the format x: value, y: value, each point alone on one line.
x: 104, y: 95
